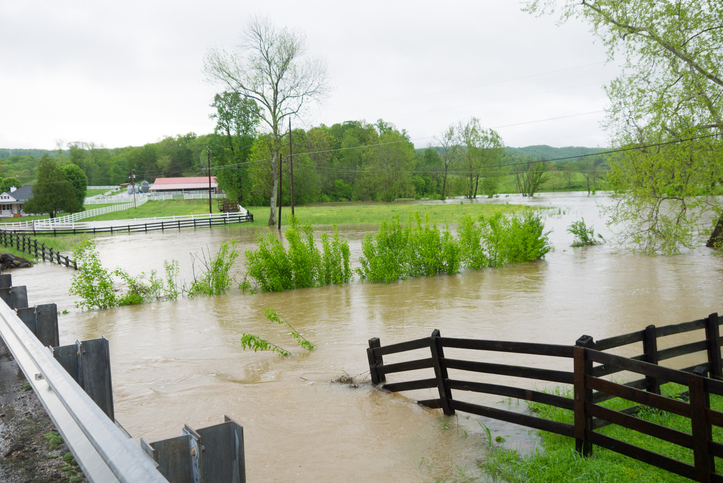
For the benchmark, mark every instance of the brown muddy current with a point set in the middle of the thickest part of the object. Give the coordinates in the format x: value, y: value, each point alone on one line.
x: 182, y: 362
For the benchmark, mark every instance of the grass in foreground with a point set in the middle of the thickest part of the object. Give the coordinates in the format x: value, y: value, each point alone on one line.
x: 558, y: 460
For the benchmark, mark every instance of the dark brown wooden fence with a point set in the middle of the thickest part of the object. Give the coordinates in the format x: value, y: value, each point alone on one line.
x: 589, y: 366
x: 30, y: 245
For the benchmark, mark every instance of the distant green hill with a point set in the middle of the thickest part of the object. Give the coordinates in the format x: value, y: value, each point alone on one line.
x: 550, y: 153
x: 542, y: 151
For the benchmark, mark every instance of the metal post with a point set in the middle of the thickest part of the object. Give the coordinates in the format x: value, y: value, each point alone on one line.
x: 208, y: 156
x: 281, y: 160
x: 291, y: 169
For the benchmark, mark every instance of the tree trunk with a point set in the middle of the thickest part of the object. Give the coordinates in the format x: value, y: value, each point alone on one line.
x: 444, y: 183
x: 716, y: 238
x: 274, y: 184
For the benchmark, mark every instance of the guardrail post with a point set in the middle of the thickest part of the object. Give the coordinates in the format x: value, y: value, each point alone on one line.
x: 650, y: 350
x: 583, y: 394
x: 88, y: 362
x: 701, y: 428
x: 207, y: 455
x: 42, y: 320
x: 375, y: 361
x: 712, y: 335
x: 440, y: 371
x: 15, y: 297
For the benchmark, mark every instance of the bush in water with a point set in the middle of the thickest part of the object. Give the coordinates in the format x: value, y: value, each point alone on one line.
x: 584, y: 235
x: 303, y: 265
x: 92, y: 282
x: 412, y: 249
x: 216, y: 277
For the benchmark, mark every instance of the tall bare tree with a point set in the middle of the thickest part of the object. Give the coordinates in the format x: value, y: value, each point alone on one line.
x: 449, y: 152
x: 270, y: 68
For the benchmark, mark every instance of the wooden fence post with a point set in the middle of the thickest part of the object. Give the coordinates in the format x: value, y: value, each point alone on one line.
x: 712, y: 335
x: 583, y: 395
x: 375, y: 361
x: 440, y: 371
x: 701, y: 428
x: 650, y: 350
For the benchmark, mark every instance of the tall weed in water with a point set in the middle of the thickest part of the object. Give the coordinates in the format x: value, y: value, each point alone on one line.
x: 303, y: 265
x: 250, y: 341
x: 216, y: 278
x: 584, y: 235
x: 417, y: 248
x: 385, y: 255
x: 336, y: 268
x: 431, y: 250
x: 92, y: 282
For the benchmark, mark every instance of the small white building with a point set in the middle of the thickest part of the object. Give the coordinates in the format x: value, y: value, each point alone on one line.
x: 191, y: 184
x: 11, y: 204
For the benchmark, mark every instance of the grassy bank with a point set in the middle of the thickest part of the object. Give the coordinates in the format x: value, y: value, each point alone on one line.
x: 558, y: 460
x: 322, y: 214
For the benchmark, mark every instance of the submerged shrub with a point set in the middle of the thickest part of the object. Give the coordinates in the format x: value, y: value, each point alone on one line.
x: 417, y: 248
x: 92, y: 282
x: 584, y: 235
x: 275, y: 269
x: 216, y: 278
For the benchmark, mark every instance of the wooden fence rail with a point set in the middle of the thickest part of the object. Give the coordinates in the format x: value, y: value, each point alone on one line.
x: 39, y: 250
x: 591, y: 368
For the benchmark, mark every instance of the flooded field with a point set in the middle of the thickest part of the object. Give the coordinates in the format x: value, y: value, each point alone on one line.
x: 182, y: 362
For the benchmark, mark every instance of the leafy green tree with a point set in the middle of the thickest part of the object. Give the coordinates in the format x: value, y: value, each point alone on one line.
x: 529, y: 175
x: 236, y: 120
x: 79, y: 181
x: 52, y: 193
x: 450, y: 152
x: 271, y: 72
x: 666, y: 109
x: 7, y: 183
x: 481, y: 154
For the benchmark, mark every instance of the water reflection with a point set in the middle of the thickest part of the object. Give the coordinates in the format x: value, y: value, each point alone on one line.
x: 181, y: 362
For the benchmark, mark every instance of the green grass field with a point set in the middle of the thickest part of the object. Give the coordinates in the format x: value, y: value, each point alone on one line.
x: 325, y: 214
x: 558, y: 460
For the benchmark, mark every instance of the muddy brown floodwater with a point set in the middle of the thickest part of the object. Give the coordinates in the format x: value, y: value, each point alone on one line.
x: 181, y: 362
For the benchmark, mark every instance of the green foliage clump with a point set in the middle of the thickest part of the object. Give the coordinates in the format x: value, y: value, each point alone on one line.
x: 54, y: 440
x: 414, y: 249
x: 92, y: 282
x: 216, y: 279
x: 250, y: 341
x: 584, y: 235
x: 303, y: 265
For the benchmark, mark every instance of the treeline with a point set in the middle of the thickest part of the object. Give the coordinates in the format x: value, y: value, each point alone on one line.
x: 349, y: 161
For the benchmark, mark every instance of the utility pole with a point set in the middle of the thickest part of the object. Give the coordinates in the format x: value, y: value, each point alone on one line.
x: 133, y: 186
x: 291, y: 168
x: 281, y: 160
x: 208, y: 156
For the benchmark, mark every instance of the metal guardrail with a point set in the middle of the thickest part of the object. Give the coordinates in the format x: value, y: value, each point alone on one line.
x: 104, y: 452
x: 74, y: 385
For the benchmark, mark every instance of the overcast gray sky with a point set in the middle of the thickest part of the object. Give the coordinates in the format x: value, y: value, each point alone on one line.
x: 129, y: 73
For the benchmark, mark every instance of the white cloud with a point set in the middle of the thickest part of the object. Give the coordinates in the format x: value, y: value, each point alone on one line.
x: 129, y: 73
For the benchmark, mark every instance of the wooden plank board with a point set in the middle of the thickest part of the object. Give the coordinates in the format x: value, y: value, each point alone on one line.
x: 405, y: 366
x: 655, y: 459
x: 640, y: 397
x: 515, y: 418
x: 640, y: 425
x: 640, y: 367
x: 410, y: 385
x: 515, y: 371
x: 507, y: 346
x: 506, y: 391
